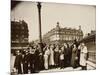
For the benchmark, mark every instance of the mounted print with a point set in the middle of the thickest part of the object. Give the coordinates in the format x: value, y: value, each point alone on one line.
x: 52, y: 37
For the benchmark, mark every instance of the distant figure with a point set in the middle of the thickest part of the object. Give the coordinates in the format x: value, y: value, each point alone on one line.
x: 46, y: 57
x: 74, y: 56
x: 51, y: 59
x: 18, y: 62
x: 56, y: 56
x: 83, y: 56
x: 61, y: 57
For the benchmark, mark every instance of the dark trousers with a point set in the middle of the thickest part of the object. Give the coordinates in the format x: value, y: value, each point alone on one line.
x: 32, y: 68
x: 84, y: 67
x: 19, y: 69
x: 41, y: 63
x: 25, y: 68
x: 36, y: 66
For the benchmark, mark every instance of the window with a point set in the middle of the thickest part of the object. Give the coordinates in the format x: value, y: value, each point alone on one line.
x: 57, y: 37
x: 16, y: 35
x: 23, y: 36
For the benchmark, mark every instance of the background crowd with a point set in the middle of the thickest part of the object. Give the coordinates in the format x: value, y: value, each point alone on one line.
x: 35, y: 59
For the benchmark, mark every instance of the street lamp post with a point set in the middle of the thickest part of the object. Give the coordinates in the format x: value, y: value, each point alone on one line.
x: 39, y: 13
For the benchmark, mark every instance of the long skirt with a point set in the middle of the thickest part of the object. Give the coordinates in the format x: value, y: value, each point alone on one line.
x: 83, y: 59
x: 46, y: 61
x: 73, y: 60
x: 51, y: 59
x: 56, y: 58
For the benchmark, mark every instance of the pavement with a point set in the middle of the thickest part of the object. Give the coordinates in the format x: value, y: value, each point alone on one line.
x: 90, y: 66
x: 60, y: 70
x: 66, y: 69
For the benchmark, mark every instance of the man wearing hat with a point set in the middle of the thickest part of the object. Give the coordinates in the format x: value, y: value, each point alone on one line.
x: 32, y: 60
x: 26, y: 62
x: 18, y: 62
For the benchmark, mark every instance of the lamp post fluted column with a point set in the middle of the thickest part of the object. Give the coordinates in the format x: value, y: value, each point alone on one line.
x: 39, y: 15
x: 40, y: 33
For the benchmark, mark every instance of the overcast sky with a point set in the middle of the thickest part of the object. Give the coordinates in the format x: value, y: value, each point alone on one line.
x: 68, y: 15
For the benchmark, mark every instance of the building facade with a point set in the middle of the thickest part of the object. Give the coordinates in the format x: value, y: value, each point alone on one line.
x: 60, y: 35
x: 19, y: 35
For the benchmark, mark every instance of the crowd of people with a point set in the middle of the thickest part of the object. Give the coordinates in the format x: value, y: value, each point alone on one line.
x: 35, y: 59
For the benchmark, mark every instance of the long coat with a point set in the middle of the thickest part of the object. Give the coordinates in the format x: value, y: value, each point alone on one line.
x: 51, y: 59
x: 17, y: 64
x: 56, y: 57
x: 37, y: 61
x: 26, y: 60
x: 66, y: 56
x: 32, y: 61
x: 83, y: 55
x: 74, y: 56
x: 46, y: 58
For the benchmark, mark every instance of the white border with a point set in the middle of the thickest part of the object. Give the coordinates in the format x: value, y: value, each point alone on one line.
x: 5, y: 36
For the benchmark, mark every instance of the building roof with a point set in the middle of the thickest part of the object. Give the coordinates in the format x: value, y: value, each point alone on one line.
x: 88, y: 38
x: 65, y: 29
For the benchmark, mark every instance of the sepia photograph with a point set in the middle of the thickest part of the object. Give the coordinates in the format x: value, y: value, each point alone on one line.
x: 52, y: 37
